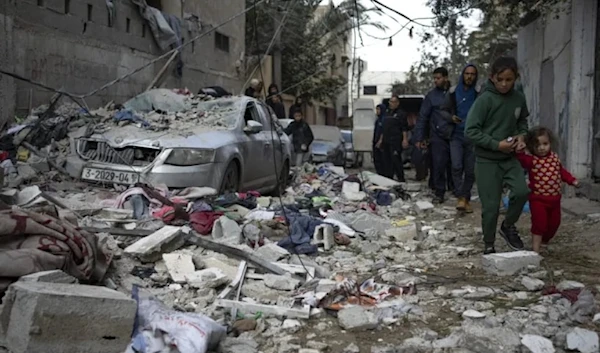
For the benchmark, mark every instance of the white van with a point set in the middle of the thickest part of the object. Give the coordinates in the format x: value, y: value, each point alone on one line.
x: 363, y: 122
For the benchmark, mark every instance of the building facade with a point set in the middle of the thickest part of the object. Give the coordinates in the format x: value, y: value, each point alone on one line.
x: 376, y: 84
x: 559, y: 57
x: 80, y: 45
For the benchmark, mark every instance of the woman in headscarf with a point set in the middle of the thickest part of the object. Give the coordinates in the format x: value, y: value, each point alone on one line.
x: 296, y: 106
x: 377, y: 133
x: 275, y: 102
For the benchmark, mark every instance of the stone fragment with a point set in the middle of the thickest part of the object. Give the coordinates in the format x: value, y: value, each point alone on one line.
x: 238, y: 345
x: 179, y: 266
x: 509, y: 263
x: 212, y: 262
x: 352, y: 348
x: 473, y: 314
x: 404, y: 232
x: 308, y: 350
x: 40, y: 317
x: 424, y: 206
x: 363, y: 221
x: 537, y: 344
x: 281, y: 282
x: 226, y: 230
x: 26, y: 172
x: 53, y: 276
x: 207, y: 278
x: 271, y: 252
x: 291, y: 326
x: 326, y: 285
x: 582, y: 340
x: 596, y: 318
x: 357, y: 318
x: 351, y: 191
x: 324, y: 236
x: 566, y: 285
x: 532, y: 284
x: 151, y: 248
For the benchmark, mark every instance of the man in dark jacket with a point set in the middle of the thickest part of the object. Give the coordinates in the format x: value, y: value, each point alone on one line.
x: 394, y: 139
x: 302, y: 137
x: 459, y: 100
x: 377, y: 132
x: 440, y: 131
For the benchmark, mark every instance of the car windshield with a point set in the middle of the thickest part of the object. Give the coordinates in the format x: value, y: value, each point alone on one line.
x: 347, y: 135
x: 219, y: 112
x: 326, y: 133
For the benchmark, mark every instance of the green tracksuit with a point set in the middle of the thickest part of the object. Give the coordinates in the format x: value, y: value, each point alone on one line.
x: 493, y: 118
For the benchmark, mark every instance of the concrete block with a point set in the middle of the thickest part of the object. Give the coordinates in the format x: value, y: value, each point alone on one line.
x: 509, y: 263
x: 324, y: 236
x: 53, y: 276
x: 272, y: 252
x: 281, y: 282
x: 67, y: 318
x: 424, y: 205
x: 582, y: 340
x: 179, y: 266
x: 207, y: 278
x: 412, y: 187
x: 404, y: 232
x: 151, y: 248
x: 567, y: 285
x: 532, y: 284
x: 357, y: 318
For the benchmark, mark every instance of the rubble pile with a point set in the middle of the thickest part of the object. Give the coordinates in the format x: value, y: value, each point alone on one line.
x: 342, y: 262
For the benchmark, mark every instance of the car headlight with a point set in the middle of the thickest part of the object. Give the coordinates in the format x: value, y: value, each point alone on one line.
x: 187, y: 157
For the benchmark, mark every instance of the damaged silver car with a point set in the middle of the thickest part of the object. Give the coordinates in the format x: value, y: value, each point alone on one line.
x: 229, y: 144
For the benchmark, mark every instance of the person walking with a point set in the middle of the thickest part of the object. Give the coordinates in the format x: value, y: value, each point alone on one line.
x: 459, y: 100
x: 296, y: 106
x: 302, y: 138
x: 440, y: 130
x: 497, y: 125
x: 378, y: 160
x: 393, y: 139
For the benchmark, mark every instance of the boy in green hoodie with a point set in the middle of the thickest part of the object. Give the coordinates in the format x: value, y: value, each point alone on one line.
x: 496, y: 125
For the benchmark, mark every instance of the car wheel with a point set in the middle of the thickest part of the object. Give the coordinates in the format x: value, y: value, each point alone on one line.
x: 283, y: 180
x: 231, y: 179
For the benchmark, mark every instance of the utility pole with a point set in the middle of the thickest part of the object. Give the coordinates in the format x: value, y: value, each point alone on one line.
x: 360, y: 67
x: 277, y: 51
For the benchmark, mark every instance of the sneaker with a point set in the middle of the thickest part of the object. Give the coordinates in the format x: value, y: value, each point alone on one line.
x: 468, y: 207
x: 437, y: 200
x: 511, y: 235
x: 489, y: 249
x: 461, y: 205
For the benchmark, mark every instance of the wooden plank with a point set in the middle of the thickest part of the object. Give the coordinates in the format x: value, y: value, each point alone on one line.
x: 239, y: 283
x: 198, y: 240
x: 120, y: 231
x: 293, y: 313
x: 241, y: 272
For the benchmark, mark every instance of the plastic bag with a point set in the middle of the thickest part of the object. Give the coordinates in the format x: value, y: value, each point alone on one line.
x: 159, y: 329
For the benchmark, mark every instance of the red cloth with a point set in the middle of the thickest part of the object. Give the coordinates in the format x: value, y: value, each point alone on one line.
x: 545, y: 218
x: 570, y: 294
x: 3, y: 155
x: 545, y: 175
x: 202, y: 222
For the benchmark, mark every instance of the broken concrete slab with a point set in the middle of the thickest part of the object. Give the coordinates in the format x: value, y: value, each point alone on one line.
x: 582, y: 340
x: 69, y: 318
x: 379, y: 180
x: 272, y: 252
x: 532, y: 284
x: 179, y: 265
x: 424, y: 206
x: 151, y: 248
x: 404, y: 231
x: 357, y: 318
x: 229, y: 270
x: 207, y: 278
x: 509, y: 263
x: 323, y: 235
x: 537, y: 344
x: 566, y: 285
x: 473, y: 314
x: 53, y: 276
x: 281, y: 282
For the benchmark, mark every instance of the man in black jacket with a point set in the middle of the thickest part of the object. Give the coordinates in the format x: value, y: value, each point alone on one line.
x: 394, y: 139
x: 302, y: 137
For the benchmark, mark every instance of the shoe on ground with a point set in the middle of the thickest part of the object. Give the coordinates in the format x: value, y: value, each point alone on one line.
x: 489, y: 249
x: 437, y: 200
x: 461, y: 205
x: 511, y: 236
x: 468, y: 207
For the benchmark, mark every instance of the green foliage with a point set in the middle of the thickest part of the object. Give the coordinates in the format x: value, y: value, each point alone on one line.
x: 307, y: 37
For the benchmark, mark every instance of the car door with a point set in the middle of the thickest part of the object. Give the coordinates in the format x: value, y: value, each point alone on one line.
x: 253, y: 151
x: 274, y: 148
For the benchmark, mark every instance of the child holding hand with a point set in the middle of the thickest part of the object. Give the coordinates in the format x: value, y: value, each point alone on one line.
x: 546, y: 175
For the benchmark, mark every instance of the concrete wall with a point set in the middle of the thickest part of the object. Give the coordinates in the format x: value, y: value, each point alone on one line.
x: 7, y: 84
x: 557, y: 64
x: 76, y: 49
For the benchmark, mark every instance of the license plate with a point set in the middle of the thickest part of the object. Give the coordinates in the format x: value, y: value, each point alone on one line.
x: 111, y: 176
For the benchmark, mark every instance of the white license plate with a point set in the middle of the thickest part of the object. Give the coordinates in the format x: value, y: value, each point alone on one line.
x: 111, y: 176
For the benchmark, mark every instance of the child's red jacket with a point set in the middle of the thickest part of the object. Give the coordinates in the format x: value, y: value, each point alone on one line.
x: 546, y: 175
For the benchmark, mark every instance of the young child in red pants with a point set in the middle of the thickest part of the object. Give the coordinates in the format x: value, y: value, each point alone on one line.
x: 546, y: 175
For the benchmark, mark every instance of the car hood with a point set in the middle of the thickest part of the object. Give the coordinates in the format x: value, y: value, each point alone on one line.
x: 323, y: 147
x: 196, y: 137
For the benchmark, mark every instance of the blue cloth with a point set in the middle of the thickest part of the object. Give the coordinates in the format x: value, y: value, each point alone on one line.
x: 462, y: 157
x: 379, y: 124
x: 129, y: 115
x: 429, y: 114
x: 302, y: 229
x: 464, y: 100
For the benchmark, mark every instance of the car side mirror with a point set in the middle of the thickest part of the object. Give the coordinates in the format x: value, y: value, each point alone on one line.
x: 253, y: 127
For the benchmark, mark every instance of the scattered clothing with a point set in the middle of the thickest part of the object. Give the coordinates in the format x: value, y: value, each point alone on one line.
x: 203, y: 222
x: 302, y: 229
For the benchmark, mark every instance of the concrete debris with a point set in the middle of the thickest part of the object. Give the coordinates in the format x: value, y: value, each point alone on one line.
x: 424, y: 205
x: 281, y: 282
x: 532, y: 284
x: 207, y: 278
x: 357, y: 318
x: 180, y: 267
x: 473, y: 314
x: 272, y: 252
x: 84, y: 318
x: 582, y: 340
x: 151, y: 248
x: 403, y: 231
x: 53, y: 276
x: 506, y: 264
x: 537, y: 344
x: 567, y: 285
